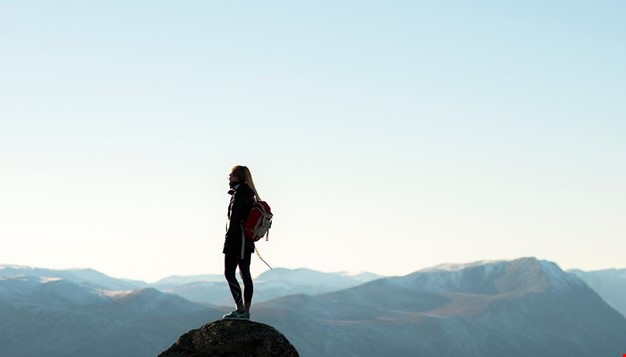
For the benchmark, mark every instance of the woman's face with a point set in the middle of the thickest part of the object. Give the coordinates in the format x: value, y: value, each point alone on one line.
x: 232, y: 177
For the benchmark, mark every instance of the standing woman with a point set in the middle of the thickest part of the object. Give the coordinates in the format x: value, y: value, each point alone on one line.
x: 238, y: 250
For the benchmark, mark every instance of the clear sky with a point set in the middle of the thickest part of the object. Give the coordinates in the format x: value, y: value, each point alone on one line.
x: 386, y: 136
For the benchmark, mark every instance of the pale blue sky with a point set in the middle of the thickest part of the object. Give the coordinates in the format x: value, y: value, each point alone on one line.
x: 387, y: 136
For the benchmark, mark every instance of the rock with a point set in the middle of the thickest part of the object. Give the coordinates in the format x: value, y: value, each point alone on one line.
x: 226, y: 338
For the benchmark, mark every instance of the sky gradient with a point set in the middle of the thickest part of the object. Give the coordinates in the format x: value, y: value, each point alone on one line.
x: 387, y: 137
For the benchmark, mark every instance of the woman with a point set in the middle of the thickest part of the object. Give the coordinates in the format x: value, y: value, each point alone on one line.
x: 237, y: 250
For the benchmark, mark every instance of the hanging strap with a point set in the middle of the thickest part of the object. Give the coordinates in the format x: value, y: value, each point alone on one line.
x: 243, y: 242
x: 259, y: 255
x: 243, y: 245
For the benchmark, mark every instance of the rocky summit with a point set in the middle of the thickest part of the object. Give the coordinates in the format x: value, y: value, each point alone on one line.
x: 226, y: 338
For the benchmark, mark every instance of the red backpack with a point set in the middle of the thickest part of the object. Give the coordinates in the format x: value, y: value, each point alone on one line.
x: 259, y: 221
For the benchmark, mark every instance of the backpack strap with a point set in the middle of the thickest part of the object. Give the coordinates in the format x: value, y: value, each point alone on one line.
x: 259, y: 255
x: 243, y: 242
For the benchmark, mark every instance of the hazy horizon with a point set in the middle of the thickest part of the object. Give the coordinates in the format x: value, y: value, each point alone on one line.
x: 386, y: 137
x: 2, y: 264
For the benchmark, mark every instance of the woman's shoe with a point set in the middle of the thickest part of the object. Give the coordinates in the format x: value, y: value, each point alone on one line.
x: 238, y: 315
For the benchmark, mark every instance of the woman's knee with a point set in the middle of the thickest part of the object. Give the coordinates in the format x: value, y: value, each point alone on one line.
x: 245, y: 276
x: 229, y: 274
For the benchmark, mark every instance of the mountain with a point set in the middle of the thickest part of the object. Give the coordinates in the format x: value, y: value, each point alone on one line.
x: 57, y: 317
x: 363, y: 276
x: 178, y: 280
x: 610, y: 284
x: 87, y: 277
x: 208, y: 289
x: 269, y: 285
x: 524, y: 307
x: 280, y: 282
x: 310, y: 277
x: 203, y: 292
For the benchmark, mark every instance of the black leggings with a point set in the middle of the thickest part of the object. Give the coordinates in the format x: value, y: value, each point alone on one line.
x: 231, y: 261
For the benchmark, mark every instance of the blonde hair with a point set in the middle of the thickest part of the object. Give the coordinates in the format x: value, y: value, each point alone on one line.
x: 244, y: 175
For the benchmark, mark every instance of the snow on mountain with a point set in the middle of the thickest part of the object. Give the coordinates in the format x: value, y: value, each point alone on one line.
x: 557, y: 278
x: 490, y: 277
x: 362, y: 276
x: 177, y: 280
x: 522, y: 307
x: 88, y: 277
x: 309, y: 277
x: 152, y: 300
x: 16, y: 287
x: 486, y: 264
x: 490, y: 308
x: 54, y: 317
x: 269, y: 285
x: 29, y: 291
x: 366, y: 276
x: 207, y: 289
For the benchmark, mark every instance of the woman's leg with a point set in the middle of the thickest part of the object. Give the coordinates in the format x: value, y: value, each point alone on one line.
x: 230, y: 265
x: 248, y: 286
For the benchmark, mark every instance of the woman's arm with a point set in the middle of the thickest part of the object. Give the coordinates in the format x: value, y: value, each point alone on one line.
x: 237, y: 214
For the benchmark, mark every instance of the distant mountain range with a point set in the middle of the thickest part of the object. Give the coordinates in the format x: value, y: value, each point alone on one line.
x: 210, y: 289
x: 608, y: 283
x: 269, y: 285
x: 55, y: 317
x: 89, y: 277
x: 524, y: 307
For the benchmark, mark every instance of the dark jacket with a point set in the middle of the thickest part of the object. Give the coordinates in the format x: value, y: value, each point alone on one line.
x: 241, y: 200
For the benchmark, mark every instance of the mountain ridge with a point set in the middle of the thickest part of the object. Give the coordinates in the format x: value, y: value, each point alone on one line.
x: 475, y: 310
x: 516, y: 308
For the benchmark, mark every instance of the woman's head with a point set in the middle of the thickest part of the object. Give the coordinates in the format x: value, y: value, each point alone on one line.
x: 241, y: 173
x: 237, y: 174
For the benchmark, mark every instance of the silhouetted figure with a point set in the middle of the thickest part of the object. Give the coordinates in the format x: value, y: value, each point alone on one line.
x: 238, y: 250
